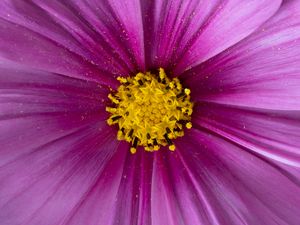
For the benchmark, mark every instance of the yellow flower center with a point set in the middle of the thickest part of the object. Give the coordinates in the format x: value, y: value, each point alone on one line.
x: 150, y: 110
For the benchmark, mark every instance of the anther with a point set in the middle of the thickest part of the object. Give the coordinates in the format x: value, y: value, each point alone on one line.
x: 140, y: 82
x: 182, y: 94
x: 116, y: 118
x: 130, y: 133
x: 183, y: 122
x: 168, y: 139
x: 135, y: 142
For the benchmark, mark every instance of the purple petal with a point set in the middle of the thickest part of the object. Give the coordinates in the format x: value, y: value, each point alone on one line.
x: 133, y: 200
x: 47, y: 185
x: 98, y: 205
x: 164, y: 207
x: 185, y: 33
x: 173, y: 194
x: 55, y: 144
x: 234, y: 186
x: 261, y: 71
x: 272, y: 134
x: 37, y: 107
x: 90, y: 40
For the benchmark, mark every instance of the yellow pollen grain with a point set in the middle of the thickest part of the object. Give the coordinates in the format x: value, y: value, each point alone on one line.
x: 150, y: 110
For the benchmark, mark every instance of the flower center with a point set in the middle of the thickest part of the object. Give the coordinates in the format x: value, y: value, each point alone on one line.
x: 150, y: 110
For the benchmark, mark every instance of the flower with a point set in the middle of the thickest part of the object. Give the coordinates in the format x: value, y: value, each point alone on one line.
x: 61, y: 163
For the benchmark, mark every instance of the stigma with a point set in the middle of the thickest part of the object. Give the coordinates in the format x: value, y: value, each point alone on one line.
x: 150, y: 110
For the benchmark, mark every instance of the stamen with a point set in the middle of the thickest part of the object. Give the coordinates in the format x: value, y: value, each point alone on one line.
x: 150, y: 110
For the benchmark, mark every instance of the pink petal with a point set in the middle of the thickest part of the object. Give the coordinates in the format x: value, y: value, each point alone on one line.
x: 37, y: 108
x: 175, y: 200
x: 104, y: 40
x: 122, y: 194
x: 183, y: 34
x: 133, y: 200
x: 98, y: 205
x: 261, y: 71
x: 272, y: 134
x: 238, y: 187
x: 47, y: 185
x: 55, y: 144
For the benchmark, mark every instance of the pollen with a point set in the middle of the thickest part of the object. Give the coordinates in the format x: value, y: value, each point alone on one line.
x: 150, y: 110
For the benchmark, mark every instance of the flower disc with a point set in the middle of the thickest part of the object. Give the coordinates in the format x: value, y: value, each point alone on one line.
x: 150, y: 110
